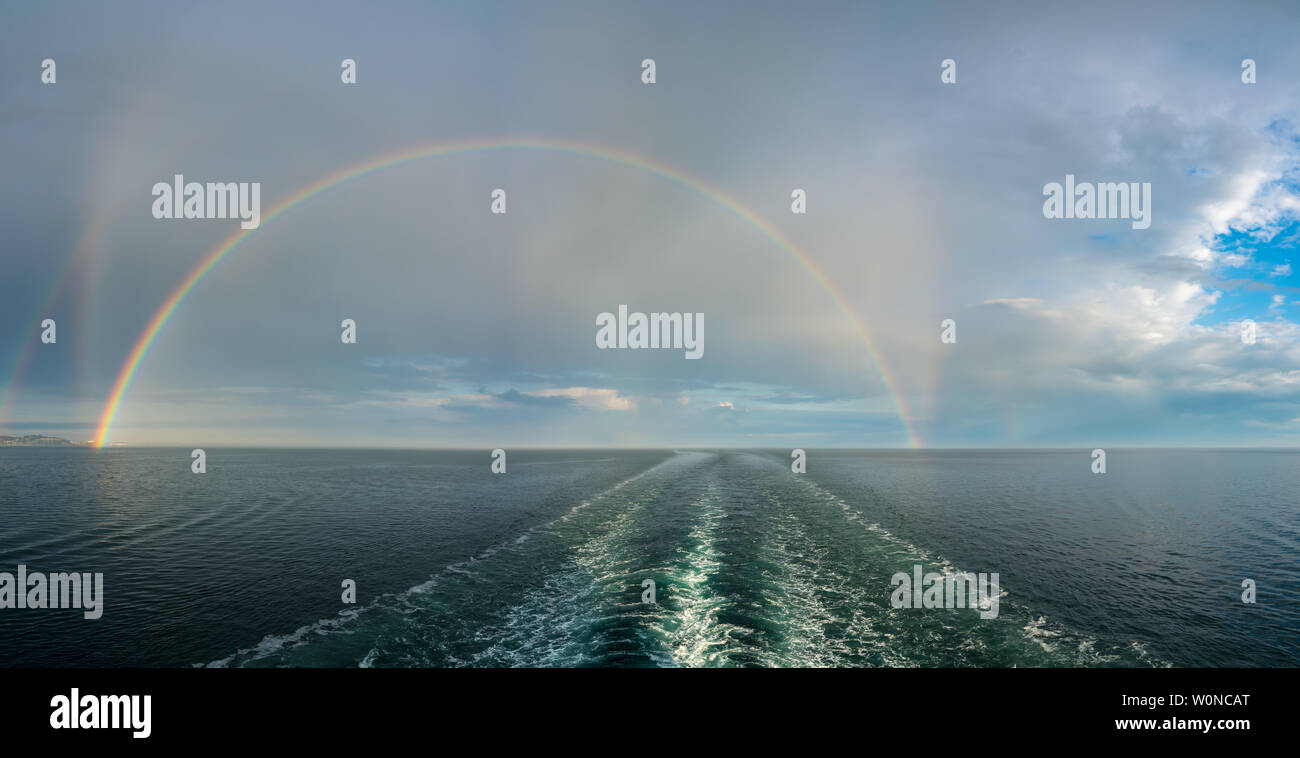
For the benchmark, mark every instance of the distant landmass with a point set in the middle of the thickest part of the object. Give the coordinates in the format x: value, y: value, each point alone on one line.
x: 36, y: 440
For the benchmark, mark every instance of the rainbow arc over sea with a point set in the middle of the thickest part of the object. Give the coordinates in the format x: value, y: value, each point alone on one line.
x: 131, y: 366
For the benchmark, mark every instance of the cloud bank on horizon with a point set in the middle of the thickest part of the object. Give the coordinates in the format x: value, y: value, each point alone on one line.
x: 925, y: 202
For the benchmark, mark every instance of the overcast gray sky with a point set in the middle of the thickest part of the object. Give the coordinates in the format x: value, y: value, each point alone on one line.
x: 924, y: 203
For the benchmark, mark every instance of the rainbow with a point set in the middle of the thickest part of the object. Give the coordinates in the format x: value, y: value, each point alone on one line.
x: 92, y: 236
x: 164, y: 313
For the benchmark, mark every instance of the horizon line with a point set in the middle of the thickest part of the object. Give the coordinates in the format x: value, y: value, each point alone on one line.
x: 443, y: 448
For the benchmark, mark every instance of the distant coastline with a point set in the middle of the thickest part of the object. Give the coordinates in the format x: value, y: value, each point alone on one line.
x: 38, y: 440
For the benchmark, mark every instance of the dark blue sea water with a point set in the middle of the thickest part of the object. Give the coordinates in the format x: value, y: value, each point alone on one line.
x: 753, y: 565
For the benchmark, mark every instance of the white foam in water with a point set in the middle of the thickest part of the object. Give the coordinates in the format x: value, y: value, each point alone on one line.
x: 696, y: 637
x: 272, y: 644
x: 557, y: 623
x: 1037, y: 630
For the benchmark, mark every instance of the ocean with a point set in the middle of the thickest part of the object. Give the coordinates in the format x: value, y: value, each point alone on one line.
x: 752, y: 565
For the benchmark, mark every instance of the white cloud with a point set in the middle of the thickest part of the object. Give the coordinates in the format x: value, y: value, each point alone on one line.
x: 595, y: 398
x: 1019, y: 303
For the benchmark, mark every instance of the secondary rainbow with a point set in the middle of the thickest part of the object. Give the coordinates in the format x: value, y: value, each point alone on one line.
x: 164, y: 312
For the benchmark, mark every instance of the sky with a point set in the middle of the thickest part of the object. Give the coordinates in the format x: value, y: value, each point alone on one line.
x: 924, y: 203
